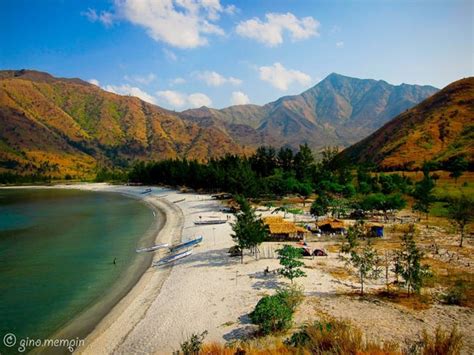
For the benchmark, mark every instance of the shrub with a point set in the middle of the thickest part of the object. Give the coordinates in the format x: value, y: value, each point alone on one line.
x: 442, y: 343
x: 456, y: 295
x: 193, y: 345
x: 292, y: 296
x: 272, y: 313
x: 336, y: 337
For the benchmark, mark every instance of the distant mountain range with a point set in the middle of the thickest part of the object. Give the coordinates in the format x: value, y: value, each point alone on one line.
x: 438, y: 129
x: 67, y: 126
x: 339, y: 110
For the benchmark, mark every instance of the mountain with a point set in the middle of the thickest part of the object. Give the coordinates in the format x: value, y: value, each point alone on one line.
x: 439, y: 128
x: 339, y: 110
x: 61, y: 126
x: 67, y: 126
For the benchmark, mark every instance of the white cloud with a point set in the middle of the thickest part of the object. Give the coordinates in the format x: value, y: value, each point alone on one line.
x: 106, y: 18
x: 340, y: 44
x: 280, y: 77
x: 270, y: 32
x: 199, y: 99
x: 170, y: 55
x: 239, y: 98
x: 94, y: 82
x: 130, y: 90
x: 145, y: 79
x: 177, y: 81
x: 213, y: 78
x: 178, y: 100
x: 179, y: 23
x: 174, y: 98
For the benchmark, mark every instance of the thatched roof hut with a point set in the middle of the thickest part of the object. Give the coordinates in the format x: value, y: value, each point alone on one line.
x: 283, y: 230
x: 332, y: 226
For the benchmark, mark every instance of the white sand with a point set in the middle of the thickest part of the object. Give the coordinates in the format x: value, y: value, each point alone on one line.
x: 211, y: 291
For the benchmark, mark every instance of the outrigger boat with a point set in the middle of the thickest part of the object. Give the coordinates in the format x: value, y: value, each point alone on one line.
x: 152, y: 248
x: 172, y: 258
x: 187, y: 244
x: 210, y: 221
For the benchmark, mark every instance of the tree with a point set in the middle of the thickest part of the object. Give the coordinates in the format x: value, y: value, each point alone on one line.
x: 264, y: 162
x: 302, y: 162
x: 271, y: 314
x: 408, y: 263
x: 382, y: 202
x: 289, y: 256
x: 320, y: 206
x: 249, y: 230
x: 423, y: 193
x: 457, y: 166
x: 304, y: 190
x: 285, y: 159
x: 461, y: 213
x: 354, y: 233
x: 365, y: 261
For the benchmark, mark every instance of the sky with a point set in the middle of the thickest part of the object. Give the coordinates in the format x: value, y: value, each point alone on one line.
x: 181, y: 54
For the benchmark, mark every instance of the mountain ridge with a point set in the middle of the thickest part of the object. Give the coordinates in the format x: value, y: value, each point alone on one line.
x: 333, y: 112
x: 69, y: 126
x: 438, y: 129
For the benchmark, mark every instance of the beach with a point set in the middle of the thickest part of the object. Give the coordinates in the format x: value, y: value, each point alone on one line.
x: 210, y: 291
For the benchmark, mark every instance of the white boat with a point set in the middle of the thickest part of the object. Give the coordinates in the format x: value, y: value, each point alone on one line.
x: 210, y: 221
x: 152, y: 248
x: 188, y: 244
x: 173, y: 257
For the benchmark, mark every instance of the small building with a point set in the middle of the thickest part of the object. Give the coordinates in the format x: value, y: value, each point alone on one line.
x: 376, y: 229
x: 332, y: 226
x: 284, y: 230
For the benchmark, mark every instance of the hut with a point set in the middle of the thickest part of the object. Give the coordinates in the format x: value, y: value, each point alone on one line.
x: 284, y: 230
x: 332, y: 226
x: 376, y: 229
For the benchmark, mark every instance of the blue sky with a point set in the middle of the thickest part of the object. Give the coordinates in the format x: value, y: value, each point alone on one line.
x: 187, y: 53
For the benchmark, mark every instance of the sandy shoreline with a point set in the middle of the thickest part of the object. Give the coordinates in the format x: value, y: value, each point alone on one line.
x: 211, y: 291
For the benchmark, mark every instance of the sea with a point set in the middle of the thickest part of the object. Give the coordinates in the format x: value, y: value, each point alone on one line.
x: 64, y: 253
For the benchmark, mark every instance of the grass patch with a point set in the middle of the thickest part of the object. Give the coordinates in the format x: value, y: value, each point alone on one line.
x: 340, y: 273
x: 414, y: 301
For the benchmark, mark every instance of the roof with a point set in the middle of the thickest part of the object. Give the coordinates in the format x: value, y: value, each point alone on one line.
x: 334, y: 224
x: 282, y: 228
x: 301, y: 229
x: 273, y: 219
x: 375, y: 225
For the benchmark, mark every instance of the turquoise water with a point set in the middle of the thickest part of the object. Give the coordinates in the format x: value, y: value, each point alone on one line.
x: 57, y: 251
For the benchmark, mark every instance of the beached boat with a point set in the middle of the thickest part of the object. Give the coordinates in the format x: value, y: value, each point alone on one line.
x: 188, y: 244
x: 210, y: 221
x: 172, y: 258
x: 152, y: 248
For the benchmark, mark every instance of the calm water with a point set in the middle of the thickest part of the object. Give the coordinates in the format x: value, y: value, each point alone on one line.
x: 57, y: 249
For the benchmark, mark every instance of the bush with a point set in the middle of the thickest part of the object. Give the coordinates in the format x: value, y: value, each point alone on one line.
x: 292, y: 296
x: 456, y: 295
x: 335, y: 337
x: 272, y: 314
x: 193, y: 345
x: 442, y: 343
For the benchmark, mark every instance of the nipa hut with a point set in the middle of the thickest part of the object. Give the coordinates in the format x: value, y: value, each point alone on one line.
x: 284, y: 230
x: 332, y: 226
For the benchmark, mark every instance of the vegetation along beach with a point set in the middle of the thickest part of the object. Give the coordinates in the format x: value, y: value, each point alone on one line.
x: 230, y: 177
